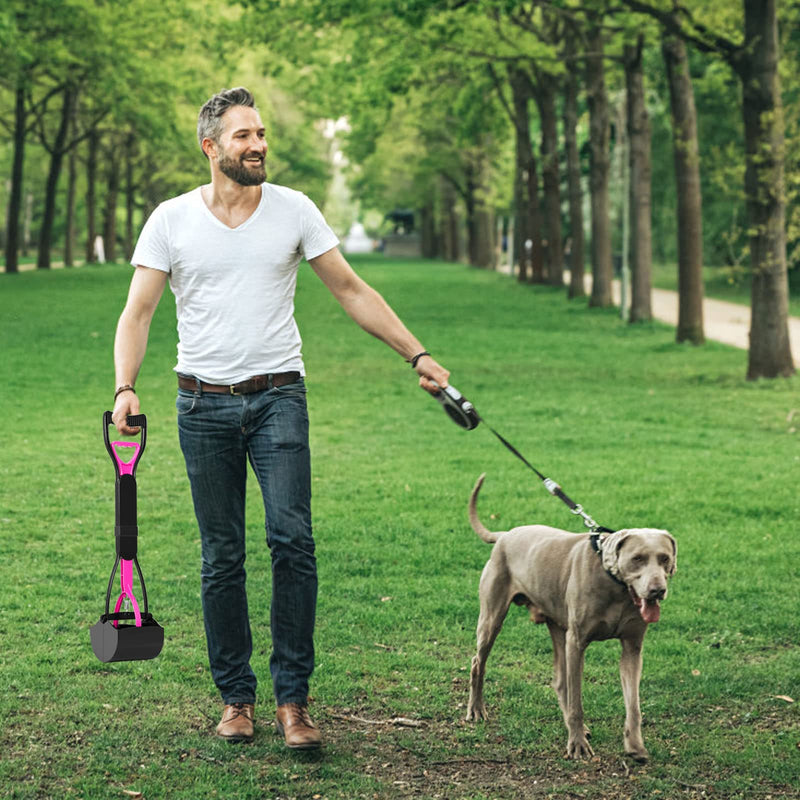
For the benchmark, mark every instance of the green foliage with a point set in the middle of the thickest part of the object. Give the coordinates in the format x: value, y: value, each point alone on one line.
x: 143, y: 70
x: 789, y: 72
x: 409, y: 76
x: 416, y: 109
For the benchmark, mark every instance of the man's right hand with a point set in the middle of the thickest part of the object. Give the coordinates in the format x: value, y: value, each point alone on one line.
x: 126, y: 405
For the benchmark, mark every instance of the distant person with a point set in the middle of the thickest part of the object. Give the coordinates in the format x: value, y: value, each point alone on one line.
x: 99, y: 250
x: 231, y: 251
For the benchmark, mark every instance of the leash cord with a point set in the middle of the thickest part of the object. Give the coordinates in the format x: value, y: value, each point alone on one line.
x: 550, y: 485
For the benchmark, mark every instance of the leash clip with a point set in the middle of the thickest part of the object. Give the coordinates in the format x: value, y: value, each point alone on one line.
x: 587, y: 520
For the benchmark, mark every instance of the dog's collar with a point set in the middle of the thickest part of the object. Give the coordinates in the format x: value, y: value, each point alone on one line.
x: 595, y: 540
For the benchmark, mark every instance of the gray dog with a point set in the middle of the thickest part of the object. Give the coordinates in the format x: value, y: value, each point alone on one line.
x: 586, y: 587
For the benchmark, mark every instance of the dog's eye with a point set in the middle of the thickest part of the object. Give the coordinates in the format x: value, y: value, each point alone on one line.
x: 638, y: 559
x: 663, y: 560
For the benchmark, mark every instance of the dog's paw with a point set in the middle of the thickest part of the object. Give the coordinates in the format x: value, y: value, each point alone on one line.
x: 578, y: 749
x: 640, y: 755
x: 634, y: 746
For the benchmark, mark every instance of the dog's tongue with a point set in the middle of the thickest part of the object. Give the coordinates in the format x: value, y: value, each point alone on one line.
x: 649, y: 609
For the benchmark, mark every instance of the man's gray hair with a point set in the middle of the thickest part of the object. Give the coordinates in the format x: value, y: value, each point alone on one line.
x: 209, y: 121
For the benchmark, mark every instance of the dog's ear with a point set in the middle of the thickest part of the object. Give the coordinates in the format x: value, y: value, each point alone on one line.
x: 674, y: 565
x: 612, y: 544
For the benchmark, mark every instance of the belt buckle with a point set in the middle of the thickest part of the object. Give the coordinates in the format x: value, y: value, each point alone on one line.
x: 233, y: 391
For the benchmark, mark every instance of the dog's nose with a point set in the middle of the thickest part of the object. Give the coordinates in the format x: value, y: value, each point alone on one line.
x: 657, y: 593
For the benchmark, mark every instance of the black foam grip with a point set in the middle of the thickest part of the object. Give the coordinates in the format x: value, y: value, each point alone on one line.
x: 125, y: 491
x: 127, y: 541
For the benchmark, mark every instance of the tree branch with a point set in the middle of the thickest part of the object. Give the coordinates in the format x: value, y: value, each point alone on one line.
x: 456, y: 185
x: 499, y: 88
x: 712, y: 43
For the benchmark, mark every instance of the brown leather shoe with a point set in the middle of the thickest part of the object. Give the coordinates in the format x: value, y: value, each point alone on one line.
x: 237, y: 723
x: 296, y: 727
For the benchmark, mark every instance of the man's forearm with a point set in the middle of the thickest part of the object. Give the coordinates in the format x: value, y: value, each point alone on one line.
x: 133, y: 327
x: 371, y: 312
x: 368, y: 309
x: 130, y: 344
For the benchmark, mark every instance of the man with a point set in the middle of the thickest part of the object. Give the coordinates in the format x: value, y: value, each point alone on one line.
x: 231, y: 251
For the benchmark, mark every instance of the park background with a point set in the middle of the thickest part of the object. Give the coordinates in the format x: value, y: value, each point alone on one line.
x: 507, y: 135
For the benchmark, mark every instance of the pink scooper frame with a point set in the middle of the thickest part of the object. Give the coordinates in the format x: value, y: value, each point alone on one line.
x: 126, y: 565
x: 114, y: 638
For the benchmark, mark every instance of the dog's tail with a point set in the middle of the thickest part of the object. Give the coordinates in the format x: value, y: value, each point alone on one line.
x: 488, y: 536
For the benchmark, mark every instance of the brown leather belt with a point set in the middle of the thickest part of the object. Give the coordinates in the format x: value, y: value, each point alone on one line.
x: 258, y: 383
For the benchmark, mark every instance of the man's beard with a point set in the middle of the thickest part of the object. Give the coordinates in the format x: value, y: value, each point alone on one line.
x: 237, y: 170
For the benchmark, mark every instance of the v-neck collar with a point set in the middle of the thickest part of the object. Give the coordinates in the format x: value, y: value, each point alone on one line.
x: 219, y: 223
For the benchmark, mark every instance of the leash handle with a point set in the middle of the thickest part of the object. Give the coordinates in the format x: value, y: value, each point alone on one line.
x: 457, y: 407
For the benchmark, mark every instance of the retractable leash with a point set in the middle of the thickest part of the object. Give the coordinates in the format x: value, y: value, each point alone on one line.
x: 145, y: 638
x: 464, y: 414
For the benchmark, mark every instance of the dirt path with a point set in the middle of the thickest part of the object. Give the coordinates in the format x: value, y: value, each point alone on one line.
x: 724, y: 322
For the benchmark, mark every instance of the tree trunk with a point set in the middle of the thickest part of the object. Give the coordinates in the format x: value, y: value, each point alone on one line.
x: 69, y: 233
x: 91, y: 194
x: 528, y: 225
x: 27, y: 223
x: 770, y: 353
x: 15, y: 198
x: 428, y: 229
x: 56, y: 160
x: 521, y: 235
x: 576, y: 240
x: 687, y: 179
x: 112, y: 192
x: 640, y: 173
x: 469, y: 207
x: 484, y: 217
x: 450, y: 249
x: 484, y: 237
x: 130, y: 190
x: 599, y: 148
x: 554, y: 253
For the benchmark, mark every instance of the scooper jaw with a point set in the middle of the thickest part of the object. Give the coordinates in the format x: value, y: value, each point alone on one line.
x: 112, y: 641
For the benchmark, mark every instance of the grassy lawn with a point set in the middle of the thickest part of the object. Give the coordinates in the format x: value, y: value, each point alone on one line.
x: 640, y: 430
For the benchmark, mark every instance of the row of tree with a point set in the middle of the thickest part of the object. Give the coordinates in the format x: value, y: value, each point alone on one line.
x: 564, y: 116
x: 434, y: 90
x: 99, y: 100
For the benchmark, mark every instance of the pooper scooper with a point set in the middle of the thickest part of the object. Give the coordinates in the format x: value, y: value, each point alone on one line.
x: 111, y: 639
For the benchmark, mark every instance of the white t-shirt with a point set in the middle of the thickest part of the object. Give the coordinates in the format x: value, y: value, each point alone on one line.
x: 234, y: 287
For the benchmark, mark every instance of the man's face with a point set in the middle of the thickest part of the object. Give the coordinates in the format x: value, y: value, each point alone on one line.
x: 242, y: 146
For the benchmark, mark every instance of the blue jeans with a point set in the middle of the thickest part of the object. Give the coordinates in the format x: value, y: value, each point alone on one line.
x: 218, y: 434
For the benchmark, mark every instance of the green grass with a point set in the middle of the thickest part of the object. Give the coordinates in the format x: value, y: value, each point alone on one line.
x: 642, y: 431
